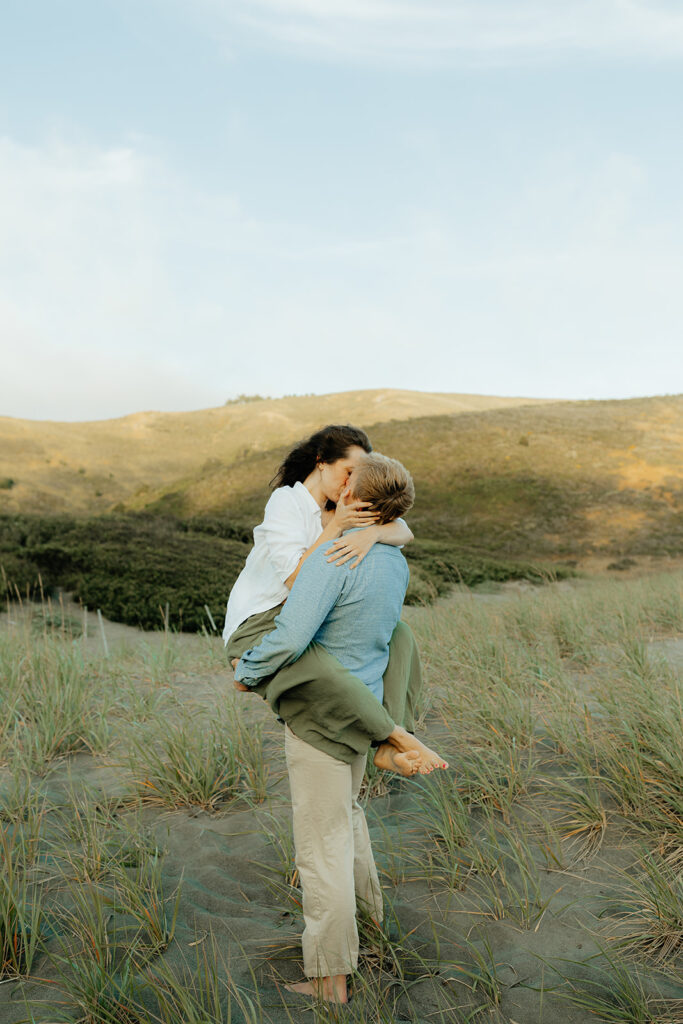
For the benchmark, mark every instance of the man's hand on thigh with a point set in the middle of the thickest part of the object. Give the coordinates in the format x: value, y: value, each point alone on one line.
x: 238, y: 686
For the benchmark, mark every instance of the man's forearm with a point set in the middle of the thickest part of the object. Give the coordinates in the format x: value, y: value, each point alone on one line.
x: 304, y: 611
x: 275, y: 651
x: 295, y: 627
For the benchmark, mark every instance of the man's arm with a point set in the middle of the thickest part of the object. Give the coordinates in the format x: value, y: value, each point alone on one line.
x: 315, y: 594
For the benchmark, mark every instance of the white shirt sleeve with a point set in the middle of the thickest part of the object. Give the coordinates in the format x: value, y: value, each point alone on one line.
x: 284, y: 532
x: 399, y: 520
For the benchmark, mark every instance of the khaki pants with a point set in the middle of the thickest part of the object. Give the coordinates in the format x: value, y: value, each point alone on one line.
x: 333, y: 855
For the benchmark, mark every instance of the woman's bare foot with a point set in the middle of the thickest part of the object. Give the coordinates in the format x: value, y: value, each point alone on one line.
x: 333, y: 989
x: 405, y: 742
x: 390, y: 759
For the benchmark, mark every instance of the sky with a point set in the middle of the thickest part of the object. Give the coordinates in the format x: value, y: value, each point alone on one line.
x: 206, y: 198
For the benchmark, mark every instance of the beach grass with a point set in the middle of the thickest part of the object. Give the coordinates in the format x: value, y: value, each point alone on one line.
x: 146, y: 828
x: 188, y: 762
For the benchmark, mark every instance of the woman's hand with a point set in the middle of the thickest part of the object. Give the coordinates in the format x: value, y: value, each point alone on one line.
x: 350, y: 514
x: 353, y: 545
x: 238, y: 686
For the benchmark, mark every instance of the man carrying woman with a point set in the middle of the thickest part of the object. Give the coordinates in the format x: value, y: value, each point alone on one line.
x: 337, y: 626
x: 311, y: 505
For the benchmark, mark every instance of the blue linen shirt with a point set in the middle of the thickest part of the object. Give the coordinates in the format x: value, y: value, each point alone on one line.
x: 350, y: 612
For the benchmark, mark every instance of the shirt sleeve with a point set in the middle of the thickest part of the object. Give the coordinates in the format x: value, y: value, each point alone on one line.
x: 284, y: 534
x: 315, y: 593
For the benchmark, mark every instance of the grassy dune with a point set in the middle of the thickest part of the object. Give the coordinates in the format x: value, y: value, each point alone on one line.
x: 148, y: 851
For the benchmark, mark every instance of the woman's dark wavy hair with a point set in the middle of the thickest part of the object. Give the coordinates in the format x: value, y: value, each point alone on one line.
x: 326, y: 445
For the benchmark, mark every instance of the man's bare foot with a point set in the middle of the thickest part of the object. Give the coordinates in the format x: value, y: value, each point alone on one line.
x: 332, y: 990
x: 405, y: 742
x: 390, y: 759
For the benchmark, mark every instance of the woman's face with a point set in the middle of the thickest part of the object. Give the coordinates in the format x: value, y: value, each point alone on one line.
x: 335, y: 475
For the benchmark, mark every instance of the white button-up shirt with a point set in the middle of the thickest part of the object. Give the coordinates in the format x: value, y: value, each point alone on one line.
x: 291, y: 524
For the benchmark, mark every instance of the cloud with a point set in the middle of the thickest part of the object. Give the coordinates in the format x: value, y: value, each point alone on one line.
x: 123, y: 287
x: 96, y: 250
x: 67, y: 381
x: 458, y: 31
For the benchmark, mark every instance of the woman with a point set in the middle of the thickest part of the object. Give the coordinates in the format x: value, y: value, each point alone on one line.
x: 309, y: 507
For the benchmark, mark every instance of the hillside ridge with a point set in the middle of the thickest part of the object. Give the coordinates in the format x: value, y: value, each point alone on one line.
x: 562, y: 480
x: 91, y: 467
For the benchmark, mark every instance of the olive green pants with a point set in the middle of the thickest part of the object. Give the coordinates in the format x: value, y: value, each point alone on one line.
x: 326, y: 705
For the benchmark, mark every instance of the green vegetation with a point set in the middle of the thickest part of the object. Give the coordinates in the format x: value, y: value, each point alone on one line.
x: 241, y: 399
x: 141, y: 570
x: 186, y: 763
x: 436, y: 567
x: 151, y: 570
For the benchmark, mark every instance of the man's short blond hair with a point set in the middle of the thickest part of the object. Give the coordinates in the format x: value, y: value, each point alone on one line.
x: 386, y: 484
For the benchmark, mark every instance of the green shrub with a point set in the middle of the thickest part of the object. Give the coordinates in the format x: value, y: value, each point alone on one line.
x: 132, y: 566
x: 243, y: 399
x: 436, y: 567
x: 129, y: 566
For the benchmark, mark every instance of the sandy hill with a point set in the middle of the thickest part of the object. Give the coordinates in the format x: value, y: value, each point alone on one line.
x: 512, y: 477
x: 554, y: 480
x: 95, y: 466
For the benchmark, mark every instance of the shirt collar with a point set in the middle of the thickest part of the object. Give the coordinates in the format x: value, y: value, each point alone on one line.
x: 315, y: 507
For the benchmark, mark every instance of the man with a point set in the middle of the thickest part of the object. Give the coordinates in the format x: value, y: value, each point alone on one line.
x: 351, y: 614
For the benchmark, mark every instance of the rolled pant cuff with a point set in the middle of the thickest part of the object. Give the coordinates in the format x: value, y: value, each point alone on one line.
x: 331, y: 971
